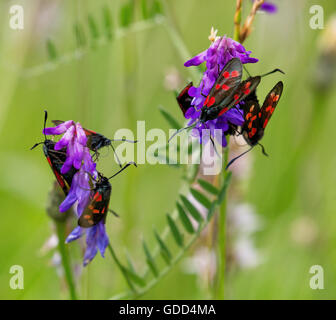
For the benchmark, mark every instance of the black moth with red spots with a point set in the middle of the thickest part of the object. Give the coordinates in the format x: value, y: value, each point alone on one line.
x: 99, y: 202
x: 227, y: 91
x: 256, y: 118
x: 56, y: 159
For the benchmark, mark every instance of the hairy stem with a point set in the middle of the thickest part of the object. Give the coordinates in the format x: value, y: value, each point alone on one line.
x: 221, y: 246
x: 60, y: 227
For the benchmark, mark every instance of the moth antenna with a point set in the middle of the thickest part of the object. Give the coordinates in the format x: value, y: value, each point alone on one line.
x: 35, y: 145
x: 122, y: 169
x: 118, y: 160
x: 125, y: 140
x: 180, y: 130
x: 45, y: 123
x: 114, y: 213
x: 263, y: 149
x: 234, y: 159
x: 247, y: 71
x: 273, y: 71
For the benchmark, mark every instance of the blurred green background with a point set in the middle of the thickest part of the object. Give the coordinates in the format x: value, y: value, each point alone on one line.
x: 111, y: 85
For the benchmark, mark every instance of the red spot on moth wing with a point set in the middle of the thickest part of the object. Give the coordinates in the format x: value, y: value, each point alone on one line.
x: 276, y: 98
x: 252, y: 132
x: 222, y: 111
x: 247, y: 85
x: 265, y: 123
x: 218, y: 86
x: 206, y: 101
x: 103, y: 211
x: 236, y: 97
x: 247, y: 91
x: 97, y: 197
x: 253, y: 118
x: 95, y: 211
x: 226, y: 74
x: 234, y: 73
x: 225, y: 87
x: 211, y: 102
x: 268, y: 109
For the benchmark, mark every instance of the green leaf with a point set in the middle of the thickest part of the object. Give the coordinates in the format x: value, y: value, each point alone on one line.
x: 165, y: 253
x: 107, y: 20
x: 192, y: 210
x: 208, y: 187
x: 79, y: 34
x: 223, y: 190
x: 150, y: 260
x: 52, y: 52
x: 175, y: 231
x: 184, y: 219
x: 126, y: 14
x: 93, y: 27
x: 201, y: 198
x: 135, y: 277
x: 169, y: 118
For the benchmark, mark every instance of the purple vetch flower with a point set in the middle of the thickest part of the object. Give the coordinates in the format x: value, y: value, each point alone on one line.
x: 222, y: 50
x: 268, y: 7
x: 96, y: 239
x: 74, y: 139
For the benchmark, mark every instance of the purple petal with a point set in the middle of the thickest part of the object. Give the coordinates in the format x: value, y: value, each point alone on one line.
x: 75, y: 234
x: 197, y: 60
x: 269, y: 7
x: 103, y: 239
x: 81, y: 136
x: 58, y: 129
x: 65, y: 140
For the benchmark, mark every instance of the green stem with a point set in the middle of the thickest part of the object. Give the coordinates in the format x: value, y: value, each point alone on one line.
x: 221, y: 254
x: 60, y: 226
x: 121, y: 267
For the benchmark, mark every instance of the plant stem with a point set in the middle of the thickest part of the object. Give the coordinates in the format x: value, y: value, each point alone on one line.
x: 121, y: 267
x: 60, y: 226
x: 237, y: 20
x: 221, y: 246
